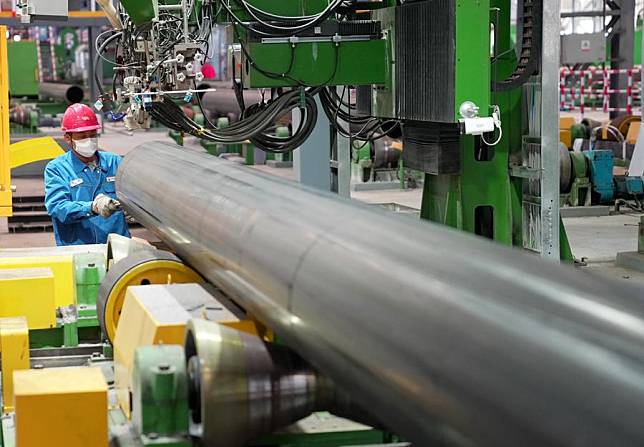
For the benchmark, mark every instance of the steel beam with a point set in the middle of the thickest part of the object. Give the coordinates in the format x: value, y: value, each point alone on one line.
x: 572, y: 14
x: 621, y: 52
x: 312, y: 160
x: 76, y: 22
x: 447, y: 338
x: 550, y: 130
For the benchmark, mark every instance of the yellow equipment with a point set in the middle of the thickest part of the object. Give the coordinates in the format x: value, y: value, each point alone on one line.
x: 565, y: 135
x: 61, y: 407
x: 633, y: 132
x: 34, y: 149
x: 140, y: 268
x: 5, y: 158
x: 156, y: 314
x: 62, y: 267
x: 29, y: 292
x: 14, y: 352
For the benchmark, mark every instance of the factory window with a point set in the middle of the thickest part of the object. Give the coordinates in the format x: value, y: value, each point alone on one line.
x: 484, y: 221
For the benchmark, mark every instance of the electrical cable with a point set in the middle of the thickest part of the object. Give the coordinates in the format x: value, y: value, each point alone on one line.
x: 107, y: 41
x: 291, y: 29
x: 371, y: 129
x: 254, y: 127
x: 267, y: 73
x: 495, y: 141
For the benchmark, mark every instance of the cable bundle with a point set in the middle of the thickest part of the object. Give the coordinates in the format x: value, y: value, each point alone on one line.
x: 277, y: 25
x: 338, y: 111
x: 256, y: 126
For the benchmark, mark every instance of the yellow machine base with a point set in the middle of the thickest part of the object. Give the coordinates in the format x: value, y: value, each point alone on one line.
x: 14, y: 352
x: 61, y: 407
x: 156, y: 314
x: 29, y: 292
x: 62, y: 268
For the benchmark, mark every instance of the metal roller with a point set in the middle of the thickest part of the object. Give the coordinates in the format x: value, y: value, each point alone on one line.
x: 384, y: 154
x: 142, y: 267
x: 243, y: 388
x: 565, y: 168
x: 69, y: 93
x: 445, y: 337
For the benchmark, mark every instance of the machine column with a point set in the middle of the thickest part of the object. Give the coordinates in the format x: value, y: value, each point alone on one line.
x: 311, y: 160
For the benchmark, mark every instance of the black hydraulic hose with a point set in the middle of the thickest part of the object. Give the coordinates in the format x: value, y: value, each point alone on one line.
x: 254, y: 127
x: 529, y: 29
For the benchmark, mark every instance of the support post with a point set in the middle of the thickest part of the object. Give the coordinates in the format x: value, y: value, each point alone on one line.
x: 5, y: 155
x: 621, y: 53
x: 550, y: 131
x: 311, y: 160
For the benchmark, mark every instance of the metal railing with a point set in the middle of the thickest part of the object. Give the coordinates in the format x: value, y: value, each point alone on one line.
x: 590, y: 89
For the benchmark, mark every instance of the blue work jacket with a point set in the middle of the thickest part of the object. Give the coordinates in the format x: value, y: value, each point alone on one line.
x: 70, y: 189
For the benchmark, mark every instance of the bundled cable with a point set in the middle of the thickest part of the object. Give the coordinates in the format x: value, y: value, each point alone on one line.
x: 255, y: 126
x: 275, y: 25
x: 339, y: 114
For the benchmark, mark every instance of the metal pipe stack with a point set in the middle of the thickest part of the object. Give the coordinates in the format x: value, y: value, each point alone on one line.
x: 445, y: 337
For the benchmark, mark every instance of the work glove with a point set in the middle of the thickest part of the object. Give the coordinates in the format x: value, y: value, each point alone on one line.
x: 104, y: 205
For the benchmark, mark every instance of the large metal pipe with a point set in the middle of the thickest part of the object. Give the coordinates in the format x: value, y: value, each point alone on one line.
x: 70, y: 93
x: 445, y: 337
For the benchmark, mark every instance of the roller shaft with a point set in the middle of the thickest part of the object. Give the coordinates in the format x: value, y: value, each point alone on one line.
x: 445, y: 337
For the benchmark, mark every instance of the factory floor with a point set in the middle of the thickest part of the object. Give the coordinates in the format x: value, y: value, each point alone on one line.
x: 595, y: 240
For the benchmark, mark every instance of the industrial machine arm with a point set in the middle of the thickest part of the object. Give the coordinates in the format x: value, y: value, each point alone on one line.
x: 160, y: 48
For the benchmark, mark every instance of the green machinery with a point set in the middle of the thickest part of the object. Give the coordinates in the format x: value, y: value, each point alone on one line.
x: 34, y: 103
x: 466, y: 106
x: 578, y: 191
x: 23, y: 69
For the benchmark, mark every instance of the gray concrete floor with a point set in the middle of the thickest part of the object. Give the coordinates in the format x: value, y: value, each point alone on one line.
x: 24, y: 240
x: 599, y: 239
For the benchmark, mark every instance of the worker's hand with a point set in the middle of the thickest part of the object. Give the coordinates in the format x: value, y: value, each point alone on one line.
x: 104, y: 205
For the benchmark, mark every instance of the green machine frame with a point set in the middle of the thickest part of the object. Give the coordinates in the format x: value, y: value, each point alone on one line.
x: 486, y: 195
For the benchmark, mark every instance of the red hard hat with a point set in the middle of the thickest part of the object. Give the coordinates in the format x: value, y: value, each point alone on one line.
x: 208, y: 71
x: 79, y: 118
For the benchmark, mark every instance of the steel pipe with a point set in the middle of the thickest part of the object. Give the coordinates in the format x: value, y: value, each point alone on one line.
x: 223, y: 102
x: 447, y: 338
x: 70, y: 93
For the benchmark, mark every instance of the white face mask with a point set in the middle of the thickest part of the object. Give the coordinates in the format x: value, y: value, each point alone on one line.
x: 86, y: 147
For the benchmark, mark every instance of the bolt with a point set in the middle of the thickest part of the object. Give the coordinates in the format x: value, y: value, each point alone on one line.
x: 153, y: 435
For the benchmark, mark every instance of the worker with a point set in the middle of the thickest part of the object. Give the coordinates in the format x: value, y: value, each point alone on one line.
x: 80, y: 193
